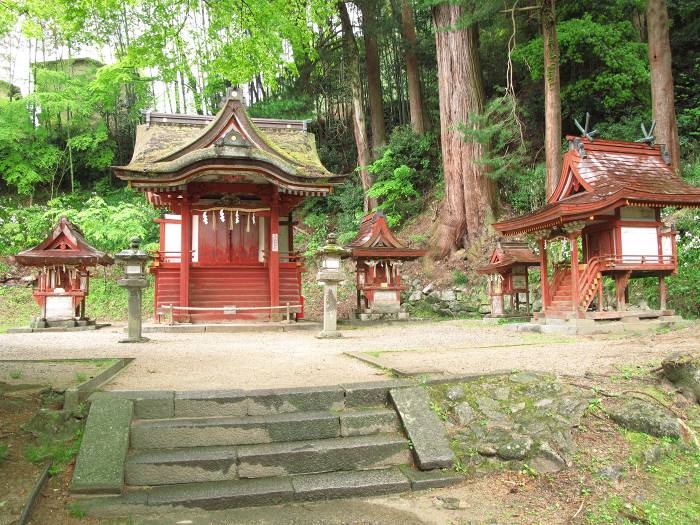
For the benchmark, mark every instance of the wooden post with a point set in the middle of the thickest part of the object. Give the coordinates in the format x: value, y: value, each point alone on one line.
x: 662, y: 292
x: 600, y: 294
x: 185, y: 246
x: 544, y: 285
x: 575, y: 299
x: 274, y: 259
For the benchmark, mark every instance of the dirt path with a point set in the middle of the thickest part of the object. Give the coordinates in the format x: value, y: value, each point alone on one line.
x: 270, y: 359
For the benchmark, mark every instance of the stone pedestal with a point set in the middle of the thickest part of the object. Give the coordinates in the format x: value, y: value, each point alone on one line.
x: 135, y: 289
x: 330, y: 310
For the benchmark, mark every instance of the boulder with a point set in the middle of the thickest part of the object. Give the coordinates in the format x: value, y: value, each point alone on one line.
x: 641, y: 416
x: 517, y: 448
x: 428, y: 288
x: 683, y: 370
x: 485, y: 309
x: 415, y: 296
x: 465, y: 413
x: 547, y: 460
x: 448, y: 296
x: 455, y: 393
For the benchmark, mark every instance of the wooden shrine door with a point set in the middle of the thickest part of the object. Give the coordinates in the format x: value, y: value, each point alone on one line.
x: 230, y: 243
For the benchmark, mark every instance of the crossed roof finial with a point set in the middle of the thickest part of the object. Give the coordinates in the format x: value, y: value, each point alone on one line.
x: 590, y: 135
x: 648, y: 137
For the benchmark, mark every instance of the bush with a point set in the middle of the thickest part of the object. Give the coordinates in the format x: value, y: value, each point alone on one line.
x: 108, y: 221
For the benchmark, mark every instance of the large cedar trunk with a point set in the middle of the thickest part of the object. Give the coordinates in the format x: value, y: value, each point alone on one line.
x: 374, y: 83
x: 469, y: 193
x: 359, y: 123
x: 663, y: 106
x: 552, y: 97
x: 415, y: 97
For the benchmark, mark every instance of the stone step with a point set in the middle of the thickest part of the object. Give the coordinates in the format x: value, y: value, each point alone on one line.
x: 251, y: 430
x: 202, y: 464
x: 270, y: 491
x: 349, y: 453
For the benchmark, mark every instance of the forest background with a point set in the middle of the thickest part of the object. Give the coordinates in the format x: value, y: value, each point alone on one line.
x: 387, y: 85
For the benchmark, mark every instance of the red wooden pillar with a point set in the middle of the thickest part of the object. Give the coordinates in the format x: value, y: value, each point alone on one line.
x: 573, y: 239
x: 662, y: 292
x: 185, y: 246
x: 543, y: 275
x: 274, y: 259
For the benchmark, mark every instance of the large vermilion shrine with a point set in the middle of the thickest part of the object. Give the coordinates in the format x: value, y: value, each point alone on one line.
x: 378, y: 257
x: 64, y: 260
x: 227, y: 186
x: 607, y: 206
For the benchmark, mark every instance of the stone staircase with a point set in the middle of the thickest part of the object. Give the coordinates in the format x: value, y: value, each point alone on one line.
x: 217, y: 450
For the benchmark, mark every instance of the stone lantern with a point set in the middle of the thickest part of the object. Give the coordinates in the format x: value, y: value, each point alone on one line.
x: 134, y: 260
x: 329, y: 275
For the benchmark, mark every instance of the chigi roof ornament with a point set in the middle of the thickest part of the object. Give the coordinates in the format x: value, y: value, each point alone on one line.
x: 590, y: 135
x: 648, y: 137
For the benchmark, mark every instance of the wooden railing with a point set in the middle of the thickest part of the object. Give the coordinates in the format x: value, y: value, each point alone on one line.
x: 287, y: 309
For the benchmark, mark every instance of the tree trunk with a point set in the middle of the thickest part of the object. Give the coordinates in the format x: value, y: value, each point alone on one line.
x: 415, y: 97
x: 663, y: 107
x: 359, y: 124
x: 374, y: 82
x: 469, y: 193
x: 552, y: 96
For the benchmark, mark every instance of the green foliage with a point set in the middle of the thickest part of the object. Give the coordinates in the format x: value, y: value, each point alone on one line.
x: 108, y: 221
x: 603, y: 65
x: 396, y: 194
x: 459, y: 278
x: 293, y: 108
x: 408, y: 167
x: 3, y: 451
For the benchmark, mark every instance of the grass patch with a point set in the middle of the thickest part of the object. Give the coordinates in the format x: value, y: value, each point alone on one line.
x: 671, y: 487
x: 81, y: 377
x: 16, y: 374
x: 4, y: 447
x: 76, y: 511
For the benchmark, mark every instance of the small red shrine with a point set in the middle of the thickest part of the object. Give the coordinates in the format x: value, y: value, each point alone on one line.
x: 64, y: 259
x: 607, y: 205
x: 507, y: 275
x: 378, y: 257
x: 227, y: 186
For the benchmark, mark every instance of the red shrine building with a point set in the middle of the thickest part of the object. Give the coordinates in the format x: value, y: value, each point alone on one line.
x: 227, y: 186
x: 63, y: 261
x: 607, y: 207
x: 507, y: 274
x: 378, y: 257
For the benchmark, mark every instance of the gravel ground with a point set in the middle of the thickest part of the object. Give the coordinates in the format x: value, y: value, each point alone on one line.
x: 278, y: 360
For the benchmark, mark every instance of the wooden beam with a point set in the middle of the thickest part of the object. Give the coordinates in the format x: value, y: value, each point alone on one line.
x: 544, y: 284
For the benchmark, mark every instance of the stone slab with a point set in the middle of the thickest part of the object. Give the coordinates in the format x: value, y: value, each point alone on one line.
x: 224, y: 494
x: 353, y: 453
x: 211, y: 403
x: 431, y: 447
x: 182, y: 465
x: 263, y: 402
x: 100, y: 464
x: 347, y: 484
x: 224, y: 431
x: 369, y: 421
x: 148, y: 404
x: 430, y: 479
x: 371, y: 393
